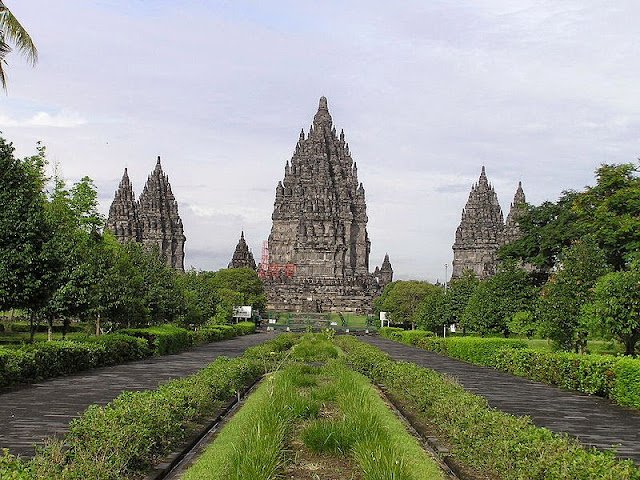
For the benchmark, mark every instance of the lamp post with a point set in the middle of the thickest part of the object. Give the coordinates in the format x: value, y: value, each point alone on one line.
x: 446, y: 274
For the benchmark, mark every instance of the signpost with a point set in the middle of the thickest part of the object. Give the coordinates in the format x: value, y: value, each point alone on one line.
x: 244, y: 312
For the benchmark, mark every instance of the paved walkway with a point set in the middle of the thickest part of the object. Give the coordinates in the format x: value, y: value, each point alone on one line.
x: 594, y: 421
x: 30, y: 414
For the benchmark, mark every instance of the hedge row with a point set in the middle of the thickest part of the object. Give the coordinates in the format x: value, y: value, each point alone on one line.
x: 410, y: 337
x: 52, y: 359
x: 493, y: 442
x: 617, y: 378
x: 126, y: 437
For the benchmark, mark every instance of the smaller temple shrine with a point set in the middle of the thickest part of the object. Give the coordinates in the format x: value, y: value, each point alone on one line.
x: 482, y: 230
x: 242, y: 256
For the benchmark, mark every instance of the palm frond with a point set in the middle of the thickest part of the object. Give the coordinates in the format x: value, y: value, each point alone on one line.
x: 4, y: 50
x: 14, y: 33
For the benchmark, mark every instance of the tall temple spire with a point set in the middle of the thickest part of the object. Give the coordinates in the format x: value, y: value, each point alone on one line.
x: 512, y: 231
x: 152, y: 220
x: 479, y: 234
x: 123, y: 212
x: 242, y: 256
x: 319, y: 238
x: 160, y: 221
x: 386, y: 272
x: 322, y: 118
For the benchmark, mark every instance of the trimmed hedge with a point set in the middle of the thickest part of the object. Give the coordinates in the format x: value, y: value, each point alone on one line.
x: 163, y: 339
x: 592, y: 374
x: 51, y: 359
x: 617, y: 378
x: 481, y: 351
x: 126, y: 437
x: 41, y: 360
x: 495, y: 443
x: 626, y: 387
x: 410, y: 337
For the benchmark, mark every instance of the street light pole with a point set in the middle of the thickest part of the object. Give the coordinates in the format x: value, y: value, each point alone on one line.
x: 446, y: 274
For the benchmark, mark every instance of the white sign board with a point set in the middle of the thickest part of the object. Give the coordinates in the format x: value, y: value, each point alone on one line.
x: 452, y: 328
x: 383, y: 319
x: 242, y: 312
x: 272, y: 320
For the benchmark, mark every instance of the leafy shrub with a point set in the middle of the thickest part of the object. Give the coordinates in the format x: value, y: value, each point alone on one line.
x: 481, y: 351
x: 120, y: 348
x: 20, y: 327
x: 245, y: 328
x: 626, y: 387
x: 51, y: 359
x: 592, y: 374
x: 410, y: 337
x: 163, y: 339
x: 496, y: 443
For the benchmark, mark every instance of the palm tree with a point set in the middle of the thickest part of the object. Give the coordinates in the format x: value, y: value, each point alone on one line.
x: 11, y: 32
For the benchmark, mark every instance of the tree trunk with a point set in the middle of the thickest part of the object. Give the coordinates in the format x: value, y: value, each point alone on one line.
x: 65, y: 327
x: 630, y: 345
x: 32, y: 327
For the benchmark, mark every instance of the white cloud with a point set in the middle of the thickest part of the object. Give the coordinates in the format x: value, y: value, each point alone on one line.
x: 61, y: 119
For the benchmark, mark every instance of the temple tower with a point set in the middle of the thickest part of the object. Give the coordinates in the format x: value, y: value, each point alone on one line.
x: 479, y: 234
x: 242, y: 256
x: 386, y: 272
x: 320, y: 217
x: 512, y: 230
x: 319, y: 247
x: 123, y: 213
x: 153, y: 220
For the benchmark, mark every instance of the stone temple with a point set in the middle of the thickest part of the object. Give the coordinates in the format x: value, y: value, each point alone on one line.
x: 318, y: 250
x: 242, y: 256
x: 482, y: 230
x: 152, y: 220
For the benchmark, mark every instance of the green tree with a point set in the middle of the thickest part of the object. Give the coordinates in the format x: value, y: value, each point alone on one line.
x: 458, y: 294
x: 610, y: 212
x: 432, y: 314
x: 200, y: 296
x: 567, y: 290
x: 13, y: 33
x: 495, y: 300
x: 244, y: 281
x: 402, y: 299
x: 23, y: 230
x: 615, y: 308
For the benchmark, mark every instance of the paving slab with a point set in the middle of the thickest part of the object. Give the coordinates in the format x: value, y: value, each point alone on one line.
x: 594, y: 421
x: 31, y: 413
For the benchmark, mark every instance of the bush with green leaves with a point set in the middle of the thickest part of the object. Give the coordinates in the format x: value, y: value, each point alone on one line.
x: 493, y: 442
x: 479, y: 350
x: 43, y: 360
x: 410, y: 337
x: 163, y: 339
x: 592, y: 374
x: 626, y: 387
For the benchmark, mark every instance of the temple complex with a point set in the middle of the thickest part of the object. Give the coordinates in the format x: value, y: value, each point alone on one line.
x: 482, y: 230
x: 317, y: 258
x: 153, y: 220
x: 242, y: 256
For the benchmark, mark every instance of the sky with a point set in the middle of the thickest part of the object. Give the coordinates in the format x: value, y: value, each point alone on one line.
x: 426, y: 92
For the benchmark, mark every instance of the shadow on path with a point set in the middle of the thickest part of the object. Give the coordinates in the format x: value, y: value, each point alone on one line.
x: 594, y: 421
x: 30, y: 414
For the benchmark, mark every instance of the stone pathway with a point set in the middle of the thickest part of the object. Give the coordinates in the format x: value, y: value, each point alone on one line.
x: 594, y: 421
x: 31, y: 413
